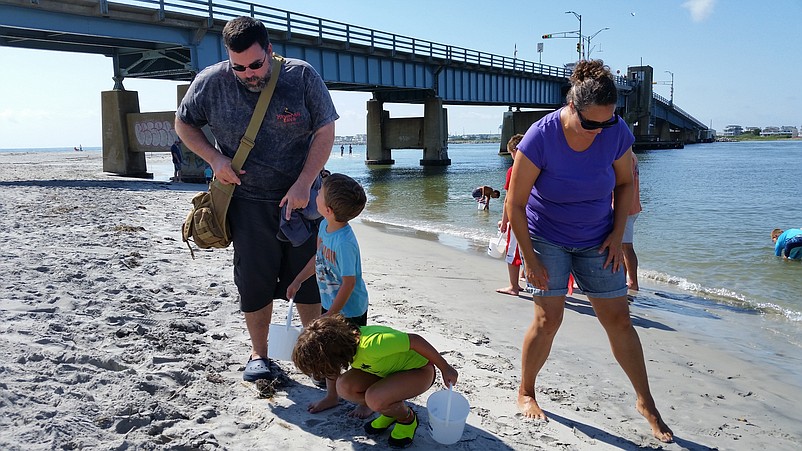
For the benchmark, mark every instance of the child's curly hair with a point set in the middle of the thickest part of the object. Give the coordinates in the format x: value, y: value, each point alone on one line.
x: 326, y: 347
x: 512, y: 144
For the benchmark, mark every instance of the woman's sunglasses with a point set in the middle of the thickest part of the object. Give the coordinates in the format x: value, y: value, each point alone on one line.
x: 253, y: 66
x: 593, y: 125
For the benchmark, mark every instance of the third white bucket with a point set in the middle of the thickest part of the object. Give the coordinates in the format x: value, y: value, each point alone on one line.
x: 281, y: 338
x: 448, y: 411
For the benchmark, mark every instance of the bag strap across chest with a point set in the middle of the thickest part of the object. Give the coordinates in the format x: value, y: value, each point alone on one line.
x: 248, y: 139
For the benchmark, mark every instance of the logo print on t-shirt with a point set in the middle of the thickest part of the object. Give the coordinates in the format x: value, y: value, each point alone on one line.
x: 365, y: 366
x: 288, y: 117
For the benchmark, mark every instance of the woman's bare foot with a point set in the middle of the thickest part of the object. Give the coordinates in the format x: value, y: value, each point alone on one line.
x: 530, y: 408
x: 511, y: 290
x: 324, y: 404
x: 361, y: 411
x: 660, y: 430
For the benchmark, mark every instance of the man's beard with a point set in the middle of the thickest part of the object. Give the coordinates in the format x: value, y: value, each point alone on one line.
x: 253, y: 84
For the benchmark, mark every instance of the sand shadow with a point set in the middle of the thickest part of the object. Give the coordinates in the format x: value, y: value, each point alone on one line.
x: 583, y: 307
x: 335, y: 424
x: 595, y: 433
x: 122, y: 183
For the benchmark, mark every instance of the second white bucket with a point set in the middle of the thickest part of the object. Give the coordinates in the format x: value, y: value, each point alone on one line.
x: 448, y: 411
x: 281, y: 338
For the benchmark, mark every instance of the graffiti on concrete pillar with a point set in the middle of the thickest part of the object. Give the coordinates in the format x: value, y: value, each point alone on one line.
x: 155, y: 134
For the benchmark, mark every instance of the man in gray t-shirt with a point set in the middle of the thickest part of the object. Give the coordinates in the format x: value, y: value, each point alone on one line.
x: 292, y: 146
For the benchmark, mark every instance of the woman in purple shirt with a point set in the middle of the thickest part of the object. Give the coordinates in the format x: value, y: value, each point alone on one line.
x: 569, y: 167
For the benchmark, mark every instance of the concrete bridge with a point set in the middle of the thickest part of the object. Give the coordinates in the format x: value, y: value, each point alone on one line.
x: 176, y: 39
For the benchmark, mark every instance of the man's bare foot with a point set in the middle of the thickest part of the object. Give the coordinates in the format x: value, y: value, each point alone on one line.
x: 530, y: 408
x: 509, y: 290
x: 660, y: 430
x: 324, y: 404
x: 361, y: 411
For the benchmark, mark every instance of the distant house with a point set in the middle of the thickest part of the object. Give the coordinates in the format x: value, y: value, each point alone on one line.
x: 732, y: 130
x: 779, y: 132
x: 790, y: 129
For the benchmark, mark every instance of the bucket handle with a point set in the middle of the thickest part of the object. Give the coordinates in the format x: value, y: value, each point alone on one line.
x: 448, y: 403
x: 289, y: 313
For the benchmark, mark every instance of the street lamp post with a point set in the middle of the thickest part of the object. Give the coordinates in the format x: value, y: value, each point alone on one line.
x: 671, y: 99
x: 579, y: 44
x: 590, y: 49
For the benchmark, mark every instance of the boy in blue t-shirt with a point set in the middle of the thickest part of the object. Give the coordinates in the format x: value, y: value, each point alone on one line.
x: 337, y: 266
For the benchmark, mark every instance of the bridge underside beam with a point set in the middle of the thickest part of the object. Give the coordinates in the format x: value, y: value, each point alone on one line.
x: 429, y: 133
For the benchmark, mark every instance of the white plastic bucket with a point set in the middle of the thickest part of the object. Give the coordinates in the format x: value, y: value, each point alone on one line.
x: 497, y: 248
x: 448, y: 411
x: 481, y: 205
x: 281, y: 338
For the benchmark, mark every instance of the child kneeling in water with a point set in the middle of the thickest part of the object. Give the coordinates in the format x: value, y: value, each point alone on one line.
x: 387, y: 367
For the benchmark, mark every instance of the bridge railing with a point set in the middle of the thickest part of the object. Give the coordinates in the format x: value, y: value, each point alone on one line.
x: 682, y: 112
x: 324, y: 29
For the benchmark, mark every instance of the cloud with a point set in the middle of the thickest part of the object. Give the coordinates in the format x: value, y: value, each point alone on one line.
x: 700, y: 9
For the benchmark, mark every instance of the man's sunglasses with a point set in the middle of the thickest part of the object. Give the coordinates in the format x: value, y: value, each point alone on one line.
x: 593, y: 125
x: 253, y: 66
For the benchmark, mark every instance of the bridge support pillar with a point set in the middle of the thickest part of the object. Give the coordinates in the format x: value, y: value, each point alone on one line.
x: 376, y: 153
x: 515, y: 122
x: 664, y: 131
x: 193, y: 166
x: 117, y: 157
x: 435, y: 134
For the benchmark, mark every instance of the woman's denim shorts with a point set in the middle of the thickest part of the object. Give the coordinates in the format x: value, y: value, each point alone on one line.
x: 586, y: 265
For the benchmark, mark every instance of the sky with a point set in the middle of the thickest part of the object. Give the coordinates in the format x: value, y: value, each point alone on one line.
x: 733, y: 61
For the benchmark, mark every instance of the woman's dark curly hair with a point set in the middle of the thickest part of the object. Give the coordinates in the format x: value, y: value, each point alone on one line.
x: 592, y: 83
x: 326, y: 347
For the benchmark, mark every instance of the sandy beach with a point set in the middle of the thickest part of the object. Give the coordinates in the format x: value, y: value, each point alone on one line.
x: 113, y: 337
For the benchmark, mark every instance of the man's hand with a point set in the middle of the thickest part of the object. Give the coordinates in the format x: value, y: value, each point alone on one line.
x: 297, y: 198
x: 221, y: 165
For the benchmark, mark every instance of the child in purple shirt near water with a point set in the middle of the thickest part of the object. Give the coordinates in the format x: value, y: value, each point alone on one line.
x: 570, y: 166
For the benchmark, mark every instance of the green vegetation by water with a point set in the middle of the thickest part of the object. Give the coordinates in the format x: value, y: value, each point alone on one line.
x: 750, y: 137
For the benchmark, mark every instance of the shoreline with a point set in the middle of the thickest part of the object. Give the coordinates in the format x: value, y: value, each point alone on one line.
x: 687, y: 309
x: 116, y: 338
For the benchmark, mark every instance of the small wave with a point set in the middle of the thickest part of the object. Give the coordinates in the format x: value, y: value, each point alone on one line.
x: 471, y: 236
x: 723, y: 295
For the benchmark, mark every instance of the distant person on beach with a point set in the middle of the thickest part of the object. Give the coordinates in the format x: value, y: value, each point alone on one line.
x: 293, y: 143
x: 178, y: 159
x: 482, y: 194
x: 342, y: 149
x: 208, y: 174
x: 788, y: 243
x: 630, y: 257
x: 79, y: 148
x: 568, y: 164
x: 337, y: 267
x: 513, y: 257
x: 387, y: 367
x: 350, y: 149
